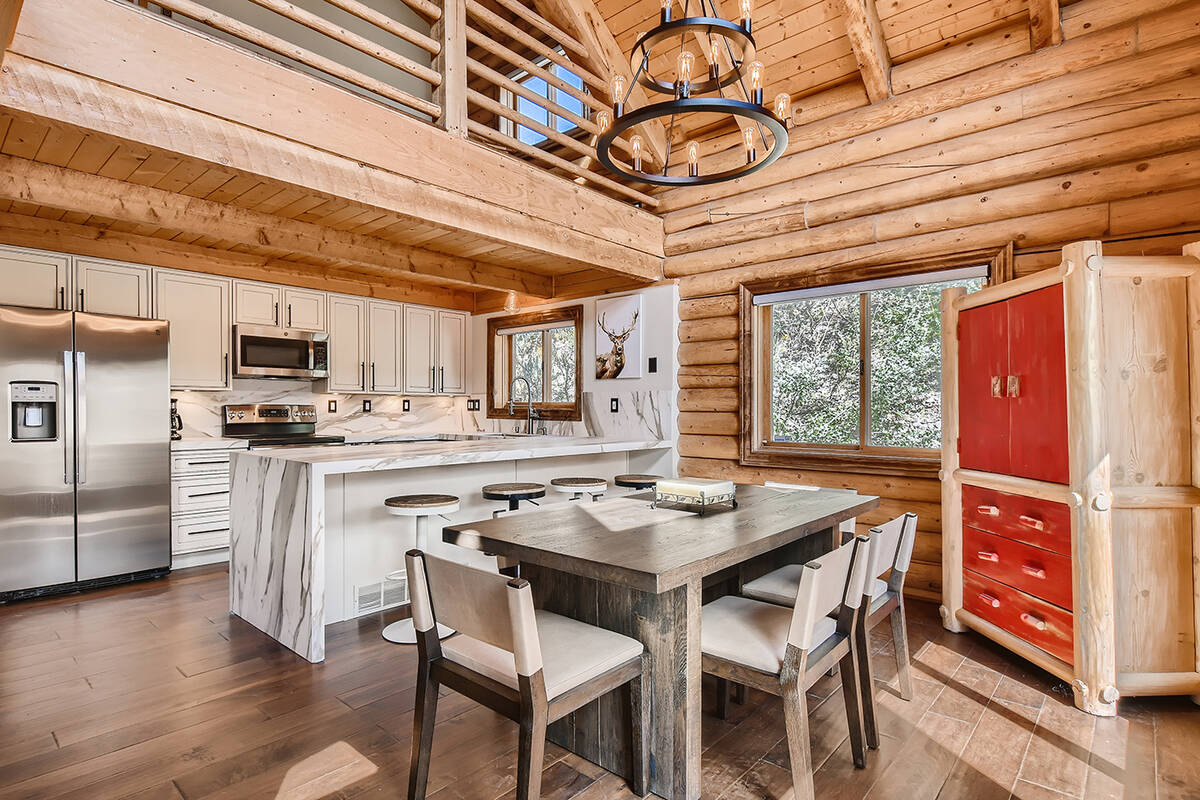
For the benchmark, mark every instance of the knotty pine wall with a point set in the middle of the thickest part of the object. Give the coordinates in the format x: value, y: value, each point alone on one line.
x: 1096, y: 138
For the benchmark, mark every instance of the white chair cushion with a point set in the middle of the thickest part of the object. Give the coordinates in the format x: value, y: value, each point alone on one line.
x: 780, y: 586
x: 752, y: 633
x: 573, y: 653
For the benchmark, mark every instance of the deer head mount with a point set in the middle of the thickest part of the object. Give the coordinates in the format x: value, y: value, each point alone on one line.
x: 610, y: 364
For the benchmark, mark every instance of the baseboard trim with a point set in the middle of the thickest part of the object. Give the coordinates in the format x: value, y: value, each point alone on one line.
x: 185, y: 560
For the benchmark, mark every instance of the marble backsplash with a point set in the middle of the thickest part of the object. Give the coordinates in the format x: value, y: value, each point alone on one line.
x: 641, y: 415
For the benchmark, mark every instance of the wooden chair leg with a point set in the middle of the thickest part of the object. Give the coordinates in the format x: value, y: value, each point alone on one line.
x: 866, y: 681
x: 739, y: 694
x: 639, y: 701
x: 531, y: 748
x: 722, y: 698
x: 900, y: 645
x: 424, y: 716
x: 852, y: 695
x: 795, y: 718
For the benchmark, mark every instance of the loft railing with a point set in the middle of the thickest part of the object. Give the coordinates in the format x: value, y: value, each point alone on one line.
x: 498, y: 73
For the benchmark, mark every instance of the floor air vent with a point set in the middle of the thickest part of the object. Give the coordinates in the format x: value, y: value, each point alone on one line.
x: 378, y: 596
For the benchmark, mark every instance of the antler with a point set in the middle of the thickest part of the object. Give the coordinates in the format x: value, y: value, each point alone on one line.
x: 610, y: 334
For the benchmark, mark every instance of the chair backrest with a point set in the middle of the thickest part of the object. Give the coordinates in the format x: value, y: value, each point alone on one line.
x: 847, y: 526
x: 835, y: 579
x: 893, y: 545
x: 483, y: 605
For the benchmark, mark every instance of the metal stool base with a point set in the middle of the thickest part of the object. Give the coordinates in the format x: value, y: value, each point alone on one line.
x: 404, y: 632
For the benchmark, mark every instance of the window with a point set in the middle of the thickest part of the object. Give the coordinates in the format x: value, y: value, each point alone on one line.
x: 538, y: 113
x: 853, y: 370
x: 536, y: 356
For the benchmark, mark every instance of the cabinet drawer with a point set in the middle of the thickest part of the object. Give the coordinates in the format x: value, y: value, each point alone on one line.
x: 1041, y: 523
x: 1033, y: 570
x: 199, y: 462
x: 1035, y: 621
x: 199, y: 531
x: 200, y: 494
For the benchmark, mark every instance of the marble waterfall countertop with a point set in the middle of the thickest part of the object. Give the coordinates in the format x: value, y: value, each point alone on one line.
x: 374, y: 456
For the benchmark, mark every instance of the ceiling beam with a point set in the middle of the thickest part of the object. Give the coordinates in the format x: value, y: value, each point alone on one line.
x: 10, y: 10
x: 21, y: 230
x: 1045, y: 23
x: 870, y: 49
x: 585, y: 21
x: 71, y: 190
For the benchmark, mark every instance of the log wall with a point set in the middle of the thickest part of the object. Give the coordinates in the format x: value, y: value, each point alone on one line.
x: 1097, y: 138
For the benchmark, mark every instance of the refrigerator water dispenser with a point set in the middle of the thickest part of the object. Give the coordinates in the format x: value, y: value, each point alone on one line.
x: 34, y: 411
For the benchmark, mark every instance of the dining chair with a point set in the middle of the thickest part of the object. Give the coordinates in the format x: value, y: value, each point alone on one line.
x: 784, y: 651
x: 534, y: 667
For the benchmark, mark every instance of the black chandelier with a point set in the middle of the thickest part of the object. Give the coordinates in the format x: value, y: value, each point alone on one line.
x: 764, y: 132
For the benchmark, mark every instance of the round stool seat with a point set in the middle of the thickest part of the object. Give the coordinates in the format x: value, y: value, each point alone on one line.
x: 637, y: 480
x: 421, y: 505
x: 579, y: 485
x: 513, y: 491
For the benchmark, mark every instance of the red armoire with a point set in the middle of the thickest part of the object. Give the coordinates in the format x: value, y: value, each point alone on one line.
x: 1070, y: 467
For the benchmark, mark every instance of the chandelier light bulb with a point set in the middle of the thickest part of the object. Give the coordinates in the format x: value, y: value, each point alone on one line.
x: 635, y: 149
x: 747, y: 10
x: 755, y: 69
x: 683, y: 73
x: 618, y: 94
x: 603, y: 120
x: 693, y: 157
x: 748, y: 139
x: 783, y: 107
x: 665, y: 10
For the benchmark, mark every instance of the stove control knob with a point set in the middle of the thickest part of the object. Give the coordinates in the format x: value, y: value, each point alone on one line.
x: 230, y: 415
x: 241, y: 414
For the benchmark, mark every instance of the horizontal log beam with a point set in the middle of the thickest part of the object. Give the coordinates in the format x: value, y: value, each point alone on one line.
x: 71, y: 190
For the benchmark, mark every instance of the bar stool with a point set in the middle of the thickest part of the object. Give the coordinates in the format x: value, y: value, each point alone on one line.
x: 578, y: 487
x: 421, y: 506
x: 637, y: 480
x: 513, y: 493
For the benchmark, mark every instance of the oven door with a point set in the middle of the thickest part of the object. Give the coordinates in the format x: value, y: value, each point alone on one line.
x: 263, y: 352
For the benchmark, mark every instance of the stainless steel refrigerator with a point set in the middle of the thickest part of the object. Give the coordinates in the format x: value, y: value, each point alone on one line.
x: 85, y: 493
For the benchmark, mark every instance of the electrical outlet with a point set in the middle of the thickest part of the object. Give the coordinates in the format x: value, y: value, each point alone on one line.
x: 366, y: 406
x: 614, y: 405
x: 406, y: 406
x: 472, y: 404
x: 653, y: 365
x: 333, y: 406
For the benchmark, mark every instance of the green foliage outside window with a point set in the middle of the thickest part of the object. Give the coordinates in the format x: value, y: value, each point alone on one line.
x: 528, y: 354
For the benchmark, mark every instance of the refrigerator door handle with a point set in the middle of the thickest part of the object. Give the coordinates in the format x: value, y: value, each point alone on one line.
x: 81, y: 415
x: 68, y: 393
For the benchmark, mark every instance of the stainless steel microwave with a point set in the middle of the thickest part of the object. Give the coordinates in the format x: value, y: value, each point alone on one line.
x: 260, y: 351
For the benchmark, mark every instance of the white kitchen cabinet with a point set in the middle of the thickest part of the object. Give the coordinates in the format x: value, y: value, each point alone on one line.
x: 347, y: 344
x: 452, y: 352
x: 33, y: 278
x: 420, y: 332
x: 197, y: 306
x: 386, y: 346
x: 256, y: 303
x: 112, y: 287
x: 304, y: 309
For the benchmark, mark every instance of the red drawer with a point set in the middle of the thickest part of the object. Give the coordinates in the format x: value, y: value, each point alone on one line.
x: 1033, y: 570
x: 1028, y: 618
x: 1041, y: 523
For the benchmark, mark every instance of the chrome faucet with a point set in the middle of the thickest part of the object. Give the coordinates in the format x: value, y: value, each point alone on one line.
x: 530, y: 412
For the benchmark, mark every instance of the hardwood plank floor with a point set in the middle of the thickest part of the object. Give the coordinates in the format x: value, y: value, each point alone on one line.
x: 152, y: 691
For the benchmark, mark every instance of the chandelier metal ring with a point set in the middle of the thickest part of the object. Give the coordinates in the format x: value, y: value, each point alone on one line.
x: 718, y: 105
x: 729, y: 31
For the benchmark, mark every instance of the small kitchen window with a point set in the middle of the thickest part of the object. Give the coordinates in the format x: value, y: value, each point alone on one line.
x: 535, y: 358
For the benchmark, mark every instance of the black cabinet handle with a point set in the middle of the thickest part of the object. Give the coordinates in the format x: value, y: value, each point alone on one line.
x: 362, y: 376
x: 81, y: 300
x: 289, y: 315
x: 372, y: 376
x: 442, y: 372
x: 210, y: 530
x: 62, y: 298
x: 277, y: 313
x: 226, y: 375
x: 207, y: 494
x: 202, y: 463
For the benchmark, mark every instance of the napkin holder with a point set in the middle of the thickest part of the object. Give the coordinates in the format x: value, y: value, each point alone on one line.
x: 695, y: 492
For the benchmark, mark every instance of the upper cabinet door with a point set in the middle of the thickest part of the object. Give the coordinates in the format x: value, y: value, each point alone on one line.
x: 452, y: 352
x: 1037, y: 385
x: 385, y: 369
x: 303, y: 309
x: 347, y: 344
x: 110, y: 287
x: 256, y: 303
x: 983, y: 407
x: 197, y: 306
x: 32, y: 278
x: 420, y: 369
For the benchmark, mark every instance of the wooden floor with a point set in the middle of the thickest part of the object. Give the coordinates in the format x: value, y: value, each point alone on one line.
x: 153, y: 691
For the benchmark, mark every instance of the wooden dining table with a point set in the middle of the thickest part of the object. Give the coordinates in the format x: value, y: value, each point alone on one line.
x: 645, y: 572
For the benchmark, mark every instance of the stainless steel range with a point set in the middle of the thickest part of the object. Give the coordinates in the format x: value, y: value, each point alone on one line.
x: 269, y: 425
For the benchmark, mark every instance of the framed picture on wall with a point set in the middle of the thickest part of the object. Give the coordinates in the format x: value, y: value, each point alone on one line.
x: 619, y: 337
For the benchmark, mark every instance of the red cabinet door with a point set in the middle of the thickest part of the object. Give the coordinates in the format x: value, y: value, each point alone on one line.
x: 983, y: 409
x: 1037, y: 358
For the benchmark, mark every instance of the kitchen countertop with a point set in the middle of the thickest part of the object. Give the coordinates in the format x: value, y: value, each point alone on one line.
x: 335, y: 459
x: 209, y: 443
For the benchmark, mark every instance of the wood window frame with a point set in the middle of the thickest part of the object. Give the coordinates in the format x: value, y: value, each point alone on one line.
x: 754, y: 346
x: 572, y: 411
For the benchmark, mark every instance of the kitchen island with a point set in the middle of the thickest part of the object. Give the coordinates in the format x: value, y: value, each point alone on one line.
x: 311, y: 542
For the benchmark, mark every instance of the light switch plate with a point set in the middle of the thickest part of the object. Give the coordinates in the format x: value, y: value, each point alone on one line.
x: 407, y: 405
x: 366, y: 406
x: 333, y: 406
x: 614, y: 405
x: 653, y: 367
